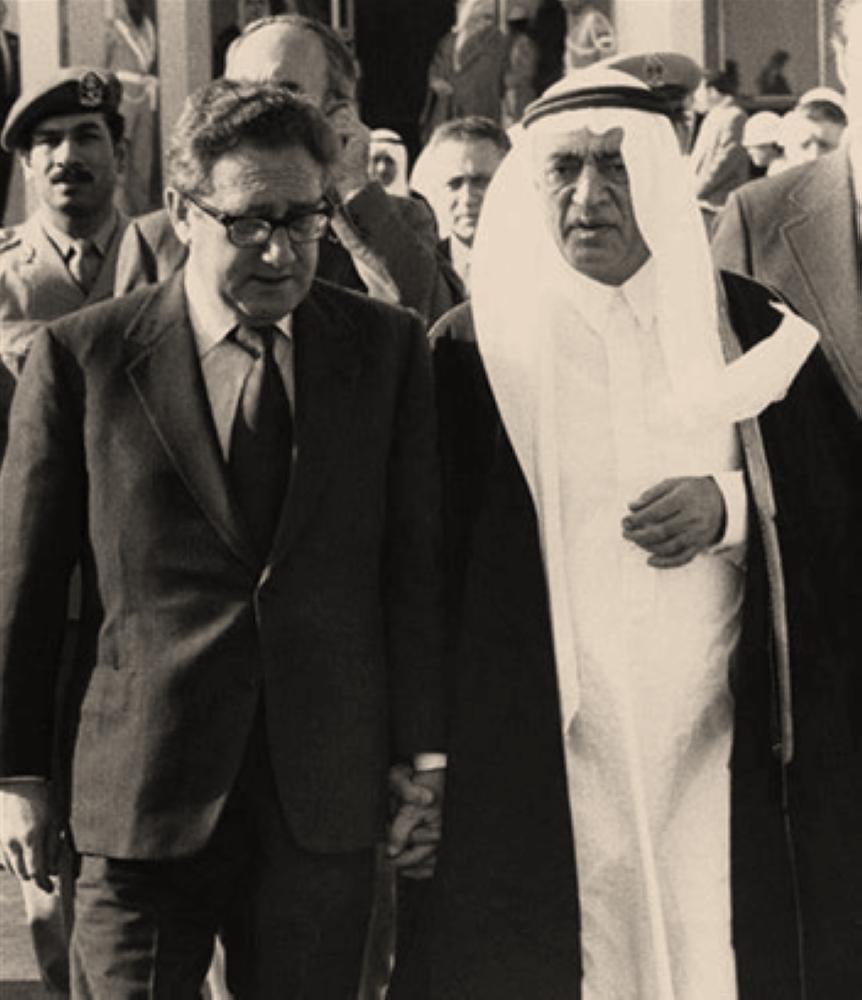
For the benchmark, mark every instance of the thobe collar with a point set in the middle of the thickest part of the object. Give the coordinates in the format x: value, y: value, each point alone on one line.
x: 595, y: 299
x: 211, y: 319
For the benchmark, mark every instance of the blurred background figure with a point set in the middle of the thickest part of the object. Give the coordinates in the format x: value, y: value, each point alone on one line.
x: 130, y: 52
x: 771, y: 79
x: 590, y: 36
x: 453, y: 172
x: 387, y: 161
x: 466, y: 76
x: 519, y: 81
x: 814, y: 127
x: 718, y: 159
x: 760, y: 140
x: 10, y: 82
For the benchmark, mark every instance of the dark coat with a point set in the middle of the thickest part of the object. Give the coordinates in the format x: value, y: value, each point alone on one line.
x: 796, y: 232
x: 504, y: 920
x: 112, y: 447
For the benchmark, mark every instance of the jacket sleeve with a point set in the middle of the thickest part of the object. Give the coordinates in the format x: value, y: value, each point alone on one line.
x: 412, y: 569
x: 42, y: 502
x: 396, y: 238
x: 731, y: 246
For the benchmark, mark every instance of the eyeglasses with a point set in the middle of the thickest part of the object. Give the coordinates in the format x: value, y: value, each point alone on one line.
x: 302, y: 226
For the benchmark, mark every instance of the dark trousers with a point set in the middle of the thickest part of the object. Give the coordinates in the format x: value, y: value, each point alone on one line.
x: 293, y: 922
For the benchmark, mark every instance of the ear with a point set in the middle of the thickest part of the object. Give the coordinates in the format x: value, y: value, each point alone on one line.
x: 24, y: 158
x: 120, y: 153
x: 178, y: 210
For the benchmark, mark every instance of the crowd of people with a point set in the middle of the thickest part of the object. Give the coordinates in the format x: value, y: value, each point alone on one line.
x: 436, y: 584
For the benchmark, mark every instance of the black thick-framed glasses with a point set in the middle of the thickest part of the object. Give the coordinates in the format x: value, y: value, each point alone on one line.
x: 305, y: 225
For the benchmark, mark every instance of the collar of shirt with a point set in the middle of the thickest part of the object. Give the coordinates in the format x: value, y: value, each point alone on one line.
x: 65, y: 243
x: 460, y: 254
x: 212, y: 321
x: 596, y: 299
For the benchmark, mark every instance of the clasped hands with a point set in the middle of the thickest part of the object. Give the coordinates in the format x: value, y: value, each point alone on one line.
x: 416, y: 804
x: 676, y: 519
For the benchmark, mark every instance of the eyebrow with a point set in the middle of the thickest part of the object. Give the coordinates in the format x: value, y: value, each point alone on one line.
x: 82, y: 128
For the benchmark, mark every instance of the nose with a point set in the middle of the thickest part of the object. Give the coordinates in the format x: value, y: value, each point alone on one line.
x: 66, y: 150
x: 590, y: 188
x: 279, y: 250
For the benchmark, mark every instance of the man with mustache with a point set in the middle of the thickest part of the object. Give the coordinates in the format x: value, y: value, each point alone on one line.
x: 68, y: 133
x: 653, y: 491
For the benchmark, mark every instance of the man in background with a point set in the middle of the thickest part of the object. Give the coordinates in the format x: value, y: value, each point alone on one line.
x: 718, y: 160
x: 455, y: 170
x: 10, y: 86
x: 385, y: 244
x: 813, y: 128
x: 68, y: 133
x: 800, y: 232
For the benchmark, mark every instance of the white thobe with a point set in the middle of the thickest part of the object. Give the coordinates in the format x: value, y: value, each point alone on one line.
x: 648, y: 749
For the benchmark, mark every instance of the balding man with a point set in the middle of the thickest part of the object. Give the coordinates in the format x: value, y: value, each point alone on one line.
x: 653, y: 772
x: 390, y: 242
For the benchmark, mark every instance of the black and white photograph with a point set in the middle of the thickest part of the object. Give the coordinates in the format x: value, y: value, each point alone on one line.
x: 431, y: 499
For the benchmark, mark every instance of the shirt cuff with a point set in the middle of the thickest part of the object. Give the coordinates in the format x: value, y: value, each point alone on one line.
x: 429, y: 761
x: 732, y: 487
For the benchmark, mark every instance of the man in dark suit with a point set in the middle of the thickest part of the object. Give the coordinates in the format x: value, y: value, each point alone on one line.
x: 244, y: 460
x: 379, y: 243
x: 800, y: 231
x: 455, y: 170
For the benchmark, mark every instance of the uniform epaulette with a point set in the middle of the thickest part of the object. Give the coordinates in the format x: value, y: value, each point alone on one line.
x: 9, y: 238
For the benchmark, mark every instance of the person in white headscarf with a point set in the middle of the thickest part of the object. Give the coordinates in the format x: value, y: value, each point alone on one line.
x: 615, y: 551
x: 387, y: 161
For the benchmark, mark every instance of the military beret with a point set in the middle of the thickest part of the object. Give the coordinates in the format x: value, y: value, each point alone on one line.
x: 74, y: 90
x: 669, y: 73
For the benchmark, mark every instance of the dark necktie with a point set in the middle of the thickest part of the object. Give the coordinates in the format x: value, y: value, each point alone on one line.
x: 261, y: 439
x: 84, y: 264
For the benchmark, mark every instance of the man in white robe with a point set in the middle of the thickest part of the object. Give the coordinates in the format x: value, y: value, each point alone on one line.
x: 604, y: 493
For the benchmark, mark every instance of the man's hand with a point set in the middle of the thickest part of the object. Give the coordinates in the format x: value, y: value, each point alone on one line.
x: 29, y: 832
x: 417, y: 819
x: 676, y: 520
x: 350, y: 173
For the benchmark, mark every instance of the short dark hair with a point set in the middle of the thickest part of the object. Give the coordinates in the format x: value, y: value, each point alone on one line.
x: 472, y: 128
x: 725, y: 81
x: 342, y: 69
x: 220, y: 115
x: 842, y: 13
x: 823, y: 111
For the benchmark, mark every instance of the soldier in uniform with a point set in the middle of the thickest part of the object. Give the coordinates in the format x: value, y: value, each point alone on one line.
x: 68, y: 133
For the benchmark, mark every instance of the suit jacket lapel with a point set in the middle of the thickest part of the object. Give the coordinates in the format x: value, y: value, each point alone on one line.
x: 328, y: 362
x: 165, y: 373
x: 822, y: 241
